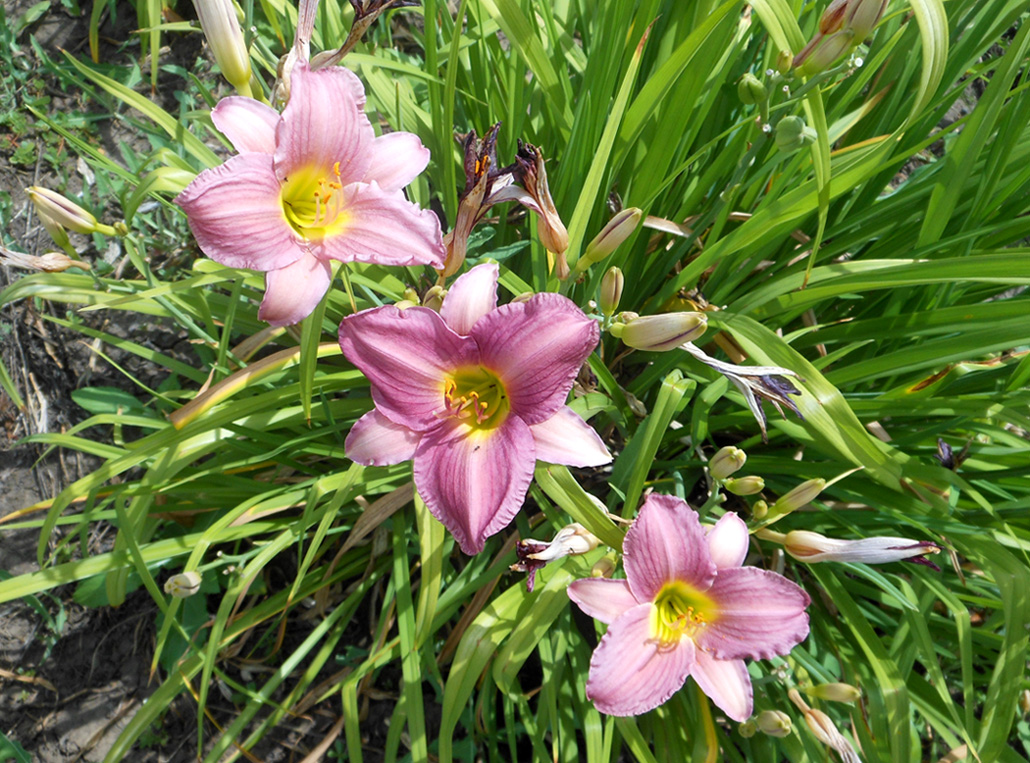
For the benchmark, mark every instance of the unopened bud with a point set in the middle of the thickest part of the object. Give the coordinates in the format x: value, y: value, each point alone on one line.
x: 863, y: 16
x: 802, y: 495
x: 824, y: 51
x: 404, y: 304
x: 811, y: 547
x: 744, y: 485
x: 222, y: 30
x: 834, y: 692
x: 792, y: 134
x: 182, y: 585
x: 434, y: 298
x: 611, y: 290
x: 775, y: 723
x: 747, y: 729
x: 603, y: 567
x: 833, y: 17
x: 760, y: 510
x: 659, y: 333
x: 55, y: 208
x: 726, y: 461
x: 1024, y: 702
x: 618, y: 229
x: 751, y: 90
x: 784, y: 61
x: 411, y: 295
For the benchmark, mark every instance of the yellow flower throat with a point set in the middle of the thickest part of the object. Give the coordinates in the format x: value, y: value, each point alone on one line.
x: 681, y: 610
x: 477, y: 396
x: 313, y: 202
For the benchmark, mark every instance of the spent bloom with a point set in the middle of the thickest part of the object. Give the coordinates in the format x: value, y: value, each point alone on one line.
x: 310, y: 185
x: 686, y: 608
x: 475, y: 395
x: 571, y: 540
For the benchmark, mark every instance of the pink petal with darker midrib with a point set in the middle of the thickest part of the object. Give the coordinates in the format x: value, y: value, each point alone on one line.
x: 566, y: 439
x: 374, y: 440
x: 397, y: 159
x: 248, y: 124
x: 727, y: 683
x: 291, y: 293
x: 604, y: 600
x: 471, y: 296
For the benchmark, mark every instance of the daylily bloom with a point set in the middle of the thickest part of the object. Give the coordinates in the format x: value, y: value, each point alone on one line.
x: 475, y: 395
x: 309, y: 186
x: 686, y: 608
x: 812, y: 547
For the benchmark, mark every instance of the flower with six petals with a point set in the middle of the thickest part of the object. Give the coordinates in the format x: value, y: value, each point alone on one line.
x: 475, y: 395
x: 310, y: 185
x: 686, y: 608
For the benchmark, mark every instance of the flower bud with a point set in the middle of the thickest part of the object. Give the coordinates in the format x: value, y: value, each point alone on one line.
x: 833, y: 17
x: 760, y: 510
x: 618, y: 229
x: 411, y: 295
x: 824, y: 51
x: 434, y: 298
x: 750, y: 90
x: 659, y: 333
x: 55, y: 208
x: 812, y: 547
x: 611, y: 290
x: 182, y: 585
x: 784, y: 61
x: 222, y: 30
x: 603, y: 567
x: 726, y: 461
x: 775, y: 723
x: 792, y: 134
x: 863, y: 16
x: 802, y: 495
x: 747, y: 729
x: 744, y: 485
x: 1024, y: 702
x: 834, y: 692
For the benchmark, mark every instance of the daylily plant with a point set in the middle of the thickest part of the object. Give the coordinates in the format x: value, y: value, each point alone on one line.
x: 686, y: 608
x: 475, y: 395
x: 310, y: 185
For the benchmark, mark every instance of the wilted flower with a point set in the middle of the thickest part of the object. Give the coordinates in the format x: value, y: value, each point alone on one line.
x: 475, y: 394
x: 571, y: 540
x: 686, y: 608
x: 309, y: 186
x: 755, y: 383
x: 51, y: 262
x: 222, y: 29
x: 811, y: 547
x: 824, y: 729
x: 659, y: 333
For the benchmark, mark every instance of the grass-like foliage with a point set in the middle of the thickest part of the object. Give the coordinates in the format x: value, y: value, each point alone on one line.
x: 876, y: 250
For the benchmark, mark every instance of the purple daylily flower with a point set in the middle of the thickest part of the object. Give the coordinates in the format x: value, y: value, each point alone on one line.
x: 310, y: 185
x: 475, y: 395
x: 686, y: 608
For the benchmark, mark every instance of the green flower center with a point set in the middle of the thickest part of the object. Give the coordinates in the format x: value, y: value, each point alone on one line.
x: 313, y: 202
x: 681, y: 610
x: 477, y: 396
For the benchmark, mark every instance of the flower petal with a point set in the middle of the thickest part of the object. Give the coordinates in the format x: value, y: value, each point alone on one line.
x: 728, y: 541
x: 470, y: 297
x: 761, y: 615
x: 397, y: 159
x: 236, y: 214
x: 727, y: 683
x: 293, y: 292
x: 602, y: 599
x: 566, y: 439
x: 374, y: 440
x: 666, y: 543
x: 475, y: 481
x: 248, y: 124
x: 406, y: 355
x: 536, y: 348
x: 630, y: 673
x: 323, y: 125
x: 384, y: 228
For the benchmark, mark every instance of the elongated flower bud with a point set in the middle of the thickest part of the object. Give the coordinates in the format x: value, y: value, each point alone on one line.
x: 744, y: 485
x: 53, y: 207
x: 659, y: 333
x: 182, y: 585
x: 775, y: 723
x: 863, y: 16
x: 802, y: 495
x: 611, y: 290
x: 812, y: 547
x: 726, y: 461
x: 222, y: 30
x: 750, y: 90
x: 835, y: 692
x: 618, y: 229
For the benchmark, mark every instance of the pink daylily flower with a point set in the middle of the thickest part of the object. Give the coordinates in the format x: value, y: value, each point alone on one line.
x: 310, y: 185
x: 686, y: 608
x: 475, y: 395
